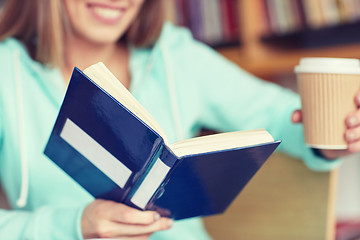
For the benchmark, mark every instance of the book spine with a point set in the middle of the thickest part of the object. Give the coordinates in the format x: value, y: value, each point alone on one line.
x: 195, y: 20
x: 168, y: 158
x: 211, y: 19
x: 181, y: 13
x: 234, y: 23
x: 301, y: 11
x: 229, y: 20
x: 272, y: 16
x: 330, y: 11
x: 140, y: 176
x: 148, y: 184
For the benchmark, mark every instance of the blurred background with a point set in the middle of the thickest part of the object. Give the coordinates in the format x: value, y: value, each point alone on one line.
x: 268, y: 38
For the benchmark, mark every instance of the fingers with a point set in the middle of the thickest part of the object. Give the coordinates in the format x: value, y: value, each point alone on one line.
x: 107, y: 219
x: 352, y: 133
x: 113, y: 229
x: 331, y: 154
x: 357, y: 99
x: 141, y: 237
x: 124, y: 214
x: 352, y: 137
x: 353, y: 120
x: 160, y: 225
x: 296, y: 117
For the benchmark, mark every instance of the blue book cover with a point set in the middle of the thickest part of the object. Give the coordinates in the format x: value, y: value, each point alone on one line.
x: 122, y: 155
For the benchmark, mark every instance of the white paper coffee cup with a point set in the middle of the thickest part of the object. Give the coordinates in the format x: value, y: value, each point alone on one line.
x: 327, y: 87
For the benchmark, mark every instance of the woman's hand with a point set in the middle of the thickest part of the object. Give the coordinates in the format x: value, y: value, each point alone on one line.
x: 351, y: 135
x: 107, y: 219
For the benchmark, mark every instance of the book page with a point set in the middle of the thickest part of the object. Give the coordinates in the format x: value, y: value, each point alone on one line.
x: 102, y: 76
x: 221, y: 141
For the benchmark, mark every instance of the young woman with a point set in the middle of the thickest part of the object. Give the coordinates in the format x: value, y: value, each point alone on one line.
x: 184, y: 84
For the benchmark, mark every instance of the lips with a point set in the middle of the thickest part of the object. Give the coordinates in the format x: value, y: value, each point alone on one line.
x: 106, y: 14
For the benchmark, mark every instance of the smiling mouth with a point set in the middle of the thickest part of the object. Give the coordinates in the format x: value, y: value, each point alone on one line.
x: 107, y: 12
x: 107, y: 15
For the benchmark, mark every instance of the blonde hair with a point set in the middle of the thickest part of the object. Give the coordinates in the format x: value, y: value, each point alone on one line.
x: 40, y: 26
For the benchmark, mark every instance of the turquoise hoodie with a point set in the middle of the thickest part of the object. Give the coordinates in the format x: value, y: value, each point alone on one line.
x: 184, y: 84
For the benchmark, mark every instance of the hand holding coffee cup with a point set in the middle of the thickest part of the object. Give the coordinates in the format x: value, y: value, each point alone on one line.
x: 352, y: 134
x: 330, y: 97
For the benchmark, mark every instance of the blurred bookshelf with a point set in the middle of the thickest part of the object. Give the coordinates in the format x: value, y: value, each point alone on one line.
x: 2, y: 3
x: 214, y: 22
x: 272, y: 35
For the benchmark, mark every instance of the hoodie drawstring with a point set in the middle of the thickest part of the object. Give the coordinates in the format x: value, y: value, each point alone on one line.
x: 24, y: 188
x: 172, y: 91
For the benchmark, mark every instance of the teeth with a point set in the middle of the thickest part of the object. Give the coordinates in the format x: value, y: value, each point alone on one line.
x: 107, y: 12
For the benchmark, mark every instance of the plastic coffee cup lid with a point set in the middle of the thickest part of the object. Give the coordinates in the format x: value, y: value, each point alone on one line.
x: 328, y: 65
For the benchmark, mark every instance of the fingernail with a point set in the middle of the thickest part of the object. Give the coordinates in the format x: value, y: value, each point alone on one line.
x: 350, y: 135
x: 156, y: 216
x: 352, y: 121
x: 170, y: 222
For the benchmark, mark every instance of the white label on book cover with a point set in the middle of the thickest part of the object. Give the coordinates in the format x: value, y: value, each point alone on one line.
x: 95, y: 153
x: 150, y: 184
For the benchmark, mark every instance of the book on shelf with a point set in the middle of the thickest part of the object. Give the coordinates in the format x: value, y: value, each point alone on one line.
x: 230, y: 20
x: 213, y: 22
x: 285, y: 16
x: 108, y: 143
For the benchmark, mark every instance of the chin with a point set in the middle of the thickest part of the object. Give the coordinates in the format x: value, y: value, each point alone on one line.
x: 104, y: 38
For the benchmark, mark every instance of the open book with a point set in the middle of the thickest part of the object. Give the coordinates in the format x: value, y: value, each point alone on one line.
x: 107, y: 142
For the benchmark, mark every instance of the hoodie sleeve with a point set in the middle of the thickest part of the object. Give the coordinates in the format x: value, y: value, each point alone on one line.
x: 233, y: 99
x: 44, y: 223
